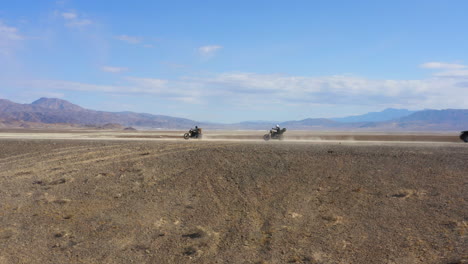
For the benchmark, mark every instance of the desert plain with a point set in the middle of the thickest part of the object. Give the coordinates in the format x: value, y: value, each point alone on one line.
x: 152, y: 197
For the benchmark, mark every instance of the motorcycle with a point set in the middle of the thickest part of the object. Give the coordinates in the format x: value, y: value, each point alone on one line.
x: 274, y: 134
x: 193, y: 133
x: 464, y: 136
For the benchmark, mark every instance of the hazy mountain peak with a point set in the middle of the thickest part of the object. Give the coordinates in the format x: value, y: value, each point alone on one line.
x: 6, y: 101
x: 7, y: 104
x: 56, y: 104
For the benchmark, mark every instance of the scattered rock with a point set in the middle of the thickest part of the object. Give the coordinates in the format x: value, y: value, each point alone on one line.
x: 189, y: 251
x: 333, y: 219
x: 408, y: 193
x: 295, y: 215
x: 300, y: 260
x: 59, y: 235
x: 23, y: 173
x: 459, y: 261
x: 141, y: 248
x: 62, y: 201
x: 193, y: 235
x: 400, y: 195
x: 104, y: 174
x: 6, y: 234
x: 39, y: 182
x: 59, y: 181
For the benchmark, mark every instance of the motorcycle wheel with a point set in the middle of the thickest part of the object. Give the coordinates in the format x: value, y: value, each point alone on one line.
x: 465, y: 138
x: 266, y: 137
x: 186, y: 136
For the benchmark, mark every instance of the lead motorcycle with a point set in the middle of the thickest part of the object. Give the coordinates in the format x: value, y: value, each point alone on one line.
x: 193, y: 133
x: 273, y: 134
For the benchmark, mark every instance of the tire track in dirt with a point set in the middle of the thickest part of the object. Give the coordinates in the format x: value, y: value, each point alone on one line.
x: 240, y: 219
x: 139, y: 158
x: 215, y: 195
x: 89, y: 151
x: 35, y: 166
x: 42, y: 167
x: 99, y: 158
x: 172, y: 150
x: 59, y: 150
x: 23, y: 157
x: 77, y: 150
x: 31, y: 156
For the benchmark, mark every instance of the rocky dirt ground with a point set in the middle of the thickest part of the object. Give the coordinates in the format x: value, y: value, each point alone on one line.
x: 81, y: 201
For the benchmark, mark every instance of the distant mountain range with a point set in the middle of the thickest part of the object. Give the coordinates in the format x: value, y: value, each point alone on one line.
x: 52, y: 112
x: 385, y: 115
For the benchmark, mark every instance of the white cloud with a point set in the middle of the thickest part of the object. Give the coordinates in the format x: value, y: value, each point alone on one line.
x: 114, y: 69
x: 61, y: 2
x: 173, y: 89
x: 9, y: 37
x: 336, y: 90
x: 453, y: 74
x: 252, y: 90
x: 69, y: 15
x: 133, y: 85
x: 129, y: 39
x: 155, y: 84
x: 252, y: 83
x: 10, y: 33
x: 58, y: 85
x: 173, y: 65
x: 448, y: 70
x: 209, y: 50
x: 442, y: 65
x: 79, y: 23
x: 74, y: 20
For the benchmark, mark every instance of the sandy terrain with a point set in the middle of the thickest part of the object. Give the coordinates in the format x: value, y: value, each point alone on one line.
x: 249, y: 135
x: 144, y: 200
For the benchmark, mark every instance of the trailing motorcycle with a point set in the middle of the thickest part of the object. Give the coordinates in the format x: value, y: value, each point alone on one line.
x: 273, y: 134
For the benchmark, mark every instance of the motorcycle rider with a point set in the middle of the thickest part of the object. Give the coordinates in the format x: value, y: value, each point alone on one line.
x: 195, y: 130
x: 194, y: 133
x: 276, y: 129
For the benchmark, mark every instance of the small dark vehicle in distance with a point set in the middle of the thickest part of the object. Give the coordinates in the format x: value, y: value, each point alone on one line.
x: 193, y: 133
x: 464, y: 136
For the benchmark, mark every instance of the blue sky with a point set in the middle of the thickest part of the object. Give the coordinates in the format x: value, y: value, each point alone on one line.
x: 229, y: 61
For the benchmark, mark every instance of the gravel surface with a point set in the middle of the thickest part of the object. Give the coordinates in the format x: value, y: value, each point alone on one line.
x: 64, y: 201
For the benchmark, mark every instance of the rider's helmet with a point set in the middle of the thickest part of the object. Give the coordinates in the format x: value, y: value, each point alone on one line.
x: 196, y: 127
x: 277, y: 126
